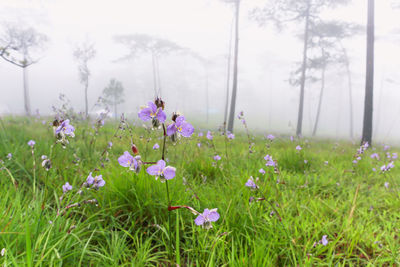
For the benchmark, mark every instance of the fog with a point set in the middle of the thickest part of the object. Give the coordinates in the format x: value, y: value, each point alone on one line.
x: 267, y: 57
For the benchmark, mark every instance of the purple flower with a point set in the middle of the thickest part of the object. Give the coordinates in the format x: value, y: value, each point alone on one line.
x: 110, y: 144
x: 291, y: 138
x: 217, y: 157
x: 251, y: 183
x: 270, y: 161
x: 358, y: 158
x: 31, y: 143
x: 151, y: 112
x: 298, y: 148
x: 305, y: 161
x: 394, y: 156
x: 386, y: 147
x: 199, y: 144
x: 270, y: 137
x: 375, y: 156
x: 324, y: 241
x: 156, y: 146
x: 230, y: 135
x: 162, y: 171
x: 387, y: 185
x: 326, y: 162
x: 128, y: 161
x: 66, y: 128
x: 209, y: 136
x: 9, y: 156
x: 373, y: 169
x: 180, y: 126
x: 96, y: 182
x: 261, y: 171
x: 200, y: 134
x: 355, y: 161
x: 67, y: 187
x: 206, y: 218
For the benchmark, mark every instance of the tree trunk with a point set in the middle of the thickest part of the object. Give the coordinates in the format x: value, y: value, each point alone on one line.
x: 369, y: 84
x: 86, y: 99
x: 154, y: 74
x: 303, y: 73
x: 235, y: 70
x: 347, y: 63
x: 26, y: 92
x: 320, y: 100
x: 228, y: 78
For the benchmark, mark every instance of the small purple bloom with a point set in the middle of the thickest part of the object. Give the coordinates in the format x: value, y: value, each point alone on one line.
x: 373, y: 169
x: 326, y: 162
x: 261, y: 171
x: 209, y: 136
x: 305, y: 161
x: 180, y: 126
x: 151, y: 112
x: 162, y: 171
x: 375, y: 156
x: 230, y: 135
x: 270, y: 161
x: 291, y: 138
x: 355, y: 161
x: 394, y: 156
x: 9, y: 156
x: 324, y: 241
x: 251, y: 183
x: 206, y: 218
x: 298, y: 148
x: 66, y: 128
x: 31, y: 143
x: 199, y: 144
x: 96, y: 182
x: 270, y: 137
x: 67, y: 187
x: 128, y: 161
x: 387, y: 185
x: 386, y: 147
x: 201, y: 134
x: 156, y: 146
x: 110, y: 144
x: 217, y: 157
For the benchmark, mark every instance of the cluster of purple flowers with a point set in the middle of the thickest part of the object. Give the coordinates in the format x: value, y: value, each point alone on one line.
x: 387, y: 167
x: 252, y: 183
x: 269, y: 161
x: 95, y: 182
x: 360, y: 151
x: 62, y: 130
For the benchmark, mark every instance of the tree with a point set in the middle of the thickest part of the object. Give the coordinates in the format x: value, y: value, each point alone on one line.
x: 113, y: 94
x: 283, y: 11
x: 369, y: 83
x: 83, y: 54
x: 17, y: 44
x: 156, y: 47
x: 235, y: 64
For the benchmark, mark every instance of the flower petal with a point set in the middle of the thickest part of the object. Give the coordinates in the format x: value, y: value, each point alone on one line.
x: 154, y: 170
x: 171, y: 129
x: 161, y: 116
x: 187, y: 129
x: 169, y: 172
x: 199, y: 220
x: 144, y: 114
x: 213, y: 216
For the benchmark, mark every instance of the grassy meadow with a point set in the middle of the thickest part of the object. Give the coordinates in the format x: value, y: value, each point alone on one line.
x: 315, y: 208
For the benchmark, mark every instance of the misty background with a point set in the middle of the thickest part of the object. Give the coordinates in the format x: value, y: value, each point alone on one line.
x: 267, y: 58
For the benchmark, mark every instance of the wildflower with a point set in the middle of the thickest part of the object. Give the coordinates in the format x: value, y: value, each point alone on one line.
x: 387, y: 185
x: 134, y: 149
x: 373, y: 169
x: 230, y: 136
x: 199, y: 144
x: 180, y: 126
x: 31, y: 143
x: 46, y: 163
x: 358, y: 158
x: 326, y: 162
x: 386, y: 147
x: 156, y: 146
x: 387, y: 167
x: 217, y: 157
x: 355, y: 161
x: 67, y: 187
x: 305, y: 161
x: 162, y: 171
x: 291, y: 138
x: 394, y: 156
x: 96, y: 182
x: 298, y: 148
x: 270, y: 161
x: 128, y: 161
x: 200, y: 134
x: 152, y: 112
x: 209, y: 136
x: 9, y: 156
x: 110, y: 144
x: 251, y: 183
x: 65, y: 128
x: 324, y: 240
x: 261, y: 171
x: 270, y: 137
x: 206, y: 218
x: 375, y: 156
x: 3, y: 252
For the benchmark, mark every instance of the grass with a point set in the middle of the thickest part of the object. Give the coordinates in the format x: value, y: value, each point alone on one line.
x: 129, y: 224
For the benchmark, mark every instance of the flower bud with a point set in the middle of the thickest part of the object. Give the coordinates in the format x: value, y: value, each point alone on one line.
x: 135, y: 149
